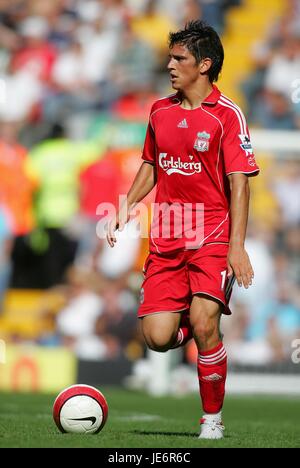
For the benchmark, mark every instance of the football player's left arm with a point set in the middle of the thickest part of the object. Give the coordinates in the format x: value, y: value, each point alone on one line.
x: 238, y: 260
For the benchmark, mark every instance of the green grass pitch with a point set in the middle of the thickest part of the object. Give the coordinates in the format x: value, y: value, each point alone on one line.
x: 138, y: 420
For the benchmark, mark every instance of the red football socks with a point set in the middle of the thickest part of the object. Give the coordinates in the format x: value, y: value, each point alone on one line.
x: 212, y: 371
x: 184, y: 332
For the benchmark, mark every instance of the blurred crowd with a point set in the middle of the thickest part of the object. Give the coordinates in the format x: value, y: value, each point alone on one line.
x: 77, y: 79
x: 273, y: 89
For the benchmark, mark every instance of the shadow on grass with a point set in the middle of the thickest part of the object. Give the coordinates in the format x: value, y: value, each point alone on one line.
x: 178, y: 434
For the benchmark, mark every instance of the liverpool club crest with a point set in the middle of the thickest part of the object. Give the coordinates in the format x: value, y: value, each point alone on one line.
x: 202, y: 141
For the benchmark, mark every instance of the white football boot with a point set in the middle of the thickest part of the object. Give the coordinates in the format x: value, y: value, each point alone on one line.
x: 211, y: 428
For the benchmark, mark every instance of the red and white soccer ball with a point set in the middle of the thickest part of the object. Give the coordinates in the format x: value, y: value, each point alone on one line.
x: 80, y: 409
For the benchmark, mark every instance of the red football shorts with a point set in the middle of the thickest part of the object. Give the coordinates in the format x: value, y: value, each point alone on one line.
x: 171, y: 280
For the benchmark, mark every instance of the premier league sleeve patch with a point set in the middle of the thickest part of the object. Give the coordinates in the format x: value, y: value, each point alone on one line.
x: 246, y: 143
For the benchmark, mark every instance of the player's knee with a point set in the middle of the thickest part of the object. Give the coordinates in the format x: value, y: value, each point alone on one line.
x: 159, y: 348
x: 159, y: 341
x: 160, y: 331
x: 204, y: 331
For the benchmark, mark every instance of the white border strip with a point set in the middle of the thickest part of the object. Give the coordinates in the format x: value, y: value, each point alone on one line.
x: 282, y: 142
x: 264, y: 384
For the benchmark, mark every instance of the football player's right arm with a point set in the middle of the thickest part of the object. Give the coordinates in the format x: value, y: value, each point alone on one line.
x: 143, y: 183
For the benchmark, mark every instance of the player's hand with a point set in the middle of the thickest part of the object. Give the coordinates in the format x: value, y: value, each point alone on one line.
x: 117, y: 223
x: 238, y: 263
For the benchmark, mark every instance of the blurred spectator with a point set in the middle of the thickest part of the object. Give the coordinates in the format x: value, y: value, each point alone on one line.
x: 16, y: 186
x: 286, y: 187
x: 8, y: 38
x: 112, y: 12
x: 5, y: 253
x: 76, y: 321
x: 28, y: 70
x: 266, y: 336
x: 192, y: 11
x: 68, y: 74
x: 154, y: 27
x: 135, y: 106
x: 277, y: 321
x: 82, y: 70
x: 73, y: 91
x: 103, y: 182
x: 212, y: 12
x: 292, y: 249
x: 287, y: 25
x: 62, y: 28
x: 45, y: 9
x: 297, y: 114
x: 36, y: 55
x: 113, y: 263
x: 174, y: 10
x: 130, y: 71
x: 264, y: 277
x: 117, y: 325
x: 55, y: 164
x: 99, y: 44
x: 277, y: 65
x: 116, y: 13
x: 284, y: 67
x: 275, y: 112
x: 20, y: 96
x: 99, y: 183
x: 98, y: 320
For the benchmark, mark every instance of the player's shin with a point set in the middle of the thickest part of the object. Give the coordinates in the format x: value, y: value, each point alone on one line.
x: 212, y: 371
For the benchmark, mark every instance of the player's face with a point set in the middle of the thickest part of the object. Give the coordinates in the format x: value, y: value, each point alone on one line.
x: 183, y: 69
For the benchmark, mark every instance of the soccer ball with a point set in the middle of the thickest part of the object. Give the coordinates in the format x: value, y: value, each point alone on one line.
x: 80, y: 409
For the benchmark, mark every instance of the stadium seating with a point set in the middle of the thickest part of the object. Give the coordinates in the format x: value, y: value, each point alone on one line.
x: 24, y: 314
x: 245, y: 25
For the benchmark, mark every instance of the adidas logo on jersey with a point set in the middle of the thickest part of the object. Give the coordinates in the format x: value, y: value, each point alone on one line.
x: 183, y: 124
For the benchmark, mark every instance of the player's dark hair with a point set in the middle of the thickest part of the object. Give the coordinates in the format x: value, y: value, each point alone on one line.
x: 202, y: 41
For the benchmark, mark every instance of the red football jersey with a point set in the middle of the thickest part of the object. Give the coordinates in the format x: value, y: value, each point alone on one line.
x: 194, y: 151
